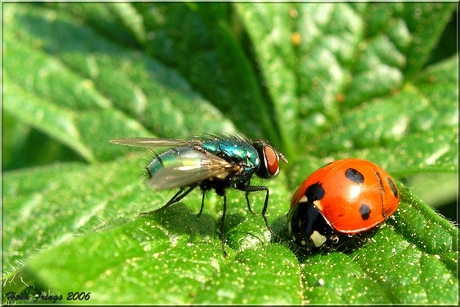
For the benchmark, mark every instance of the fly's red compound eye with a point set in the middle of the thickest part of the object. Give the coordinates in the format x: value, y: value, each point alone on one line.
x: 271, y: 160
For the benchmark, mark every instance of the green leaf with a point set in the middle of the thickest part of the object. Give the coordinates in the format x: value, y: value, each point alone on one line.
x: 319, y: 81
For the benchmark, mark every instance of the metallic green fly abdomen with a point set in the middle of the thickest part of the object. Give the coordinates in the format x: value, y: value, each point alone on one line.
x: 182, y: 166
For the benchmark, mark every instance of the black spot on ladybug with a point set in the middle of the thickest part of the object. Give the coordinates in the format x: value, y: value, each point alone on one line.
x: 365, y: 211
x: 393, y: 187
x: 354, y: 175
x: 315, y: 192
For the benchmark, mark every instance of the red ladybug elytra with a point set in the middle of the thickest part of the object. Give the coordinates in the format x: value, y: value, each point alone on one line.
x: 347, y: 196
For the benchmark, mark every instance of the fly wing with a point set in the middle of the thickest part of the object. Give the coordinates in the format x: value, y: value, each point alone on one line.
x: 189, y: 167
x: 154, y: 142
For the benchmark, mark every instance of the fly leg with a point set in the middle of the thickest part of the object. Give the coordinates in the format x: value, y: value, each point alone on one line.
x: 248, y: 203
x: 176, y: 198
x: 249, y: 189
x: 202, y: 204
x: 222, y: 231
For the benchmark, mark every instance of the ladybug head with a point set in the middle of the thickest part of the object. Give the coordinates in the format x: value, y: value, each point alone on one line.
x: 308, y: 227
x: 306, y: 224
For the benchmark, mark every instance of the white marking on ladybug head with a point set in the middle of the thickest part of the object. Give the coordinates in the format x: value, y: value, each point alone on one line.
x: 317, y: 238
x: 304, y: 199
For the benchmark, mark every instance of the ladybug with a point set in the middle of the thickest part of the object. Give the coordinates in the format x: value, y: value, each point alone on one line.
x: 341, y: 199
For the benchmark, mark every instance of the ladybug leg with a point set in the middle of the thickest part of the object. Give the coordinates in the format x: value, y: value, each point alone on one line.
x: 250, y: 188
x: 176, y: 198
